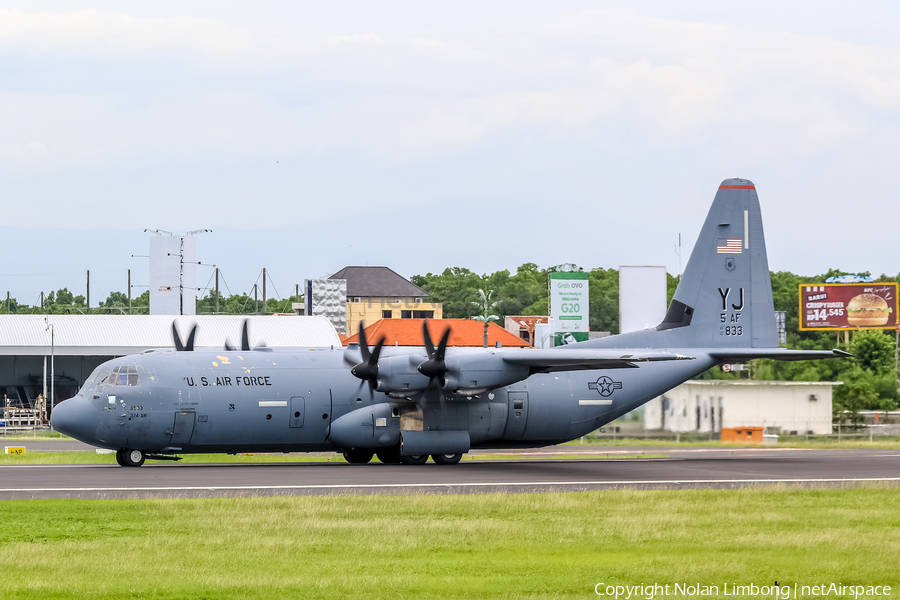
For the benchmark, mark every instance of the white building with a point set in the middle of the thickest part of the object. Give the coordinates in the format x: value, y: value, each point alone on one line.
x: 708, y: 406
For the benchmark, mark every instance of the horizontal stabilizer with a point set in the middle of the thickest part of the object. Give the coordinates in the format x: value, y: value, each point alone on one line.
x: 742, y: 354
x: 559, y: 359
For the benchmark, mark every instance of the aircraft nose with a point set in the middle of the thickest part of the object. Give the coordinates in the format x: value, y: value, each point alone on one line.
x: 77, y: 418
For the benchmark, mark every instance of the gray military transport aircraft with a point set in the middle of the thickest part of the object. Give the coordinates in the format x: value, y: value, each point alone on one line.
x: 437, y: 401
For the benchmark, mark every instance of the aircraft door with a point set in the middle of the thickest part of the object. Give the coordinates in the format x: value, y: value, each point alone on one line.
x: 518, y: 415
x: 183, y: 429
x: 298, y: 411
x: 314, y: 422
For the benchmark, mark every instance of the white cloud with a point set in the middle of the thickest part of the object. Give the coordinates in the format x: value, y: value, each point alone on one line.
x: 97, y: 92
x: 32, y: 149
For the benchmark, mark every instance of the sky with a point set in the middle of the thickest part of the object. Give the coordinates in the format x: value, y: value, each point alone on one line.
x: 423, y: 135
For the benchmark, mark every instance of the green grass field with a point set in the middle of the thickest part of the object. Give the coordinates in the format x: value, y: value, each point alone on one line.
x: 476, y: 546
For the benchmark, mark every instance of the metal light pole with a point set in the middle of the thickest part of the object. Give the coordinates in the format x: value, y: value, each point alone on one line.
x: 49, y: 325
x: 42, y: 409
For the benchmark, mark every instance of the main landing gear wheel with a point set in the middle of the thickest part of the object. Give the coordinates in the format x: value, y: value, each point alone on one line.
x: 446, y: 459
x: 130, y: 458
x: 419, y: 459
x: 119, y: 457
x: 389, y: 457
x: 358, y: 457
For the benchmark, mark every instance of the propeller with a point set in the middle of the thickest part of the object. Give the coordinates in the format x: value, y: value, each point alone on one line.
x: 245, y: 339
x: 367, y: 370
x: 434, y: 367
x: 189, y: 345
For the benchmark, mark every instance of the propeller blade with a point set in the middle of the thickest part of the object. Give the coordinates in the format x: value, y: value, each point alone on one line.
x: 228, y: 346
x: 373, y: 358
x: 429, y: 347
x: 434, y: 368
x: 363, y: 343
x: 367, y: 370
x: 351, y: 355
x: 189, y: 346
x: 442, y: 345
x: 179, y: 347
x: 245, y: 336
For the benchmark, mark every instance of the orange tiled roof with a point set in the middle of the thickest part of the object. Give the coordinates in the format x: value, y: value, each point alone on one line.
x: 463, y: 333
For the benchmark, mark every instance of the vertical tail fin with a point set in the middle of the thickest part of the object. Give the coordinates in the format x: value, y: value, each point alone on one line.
x: 724, y: 298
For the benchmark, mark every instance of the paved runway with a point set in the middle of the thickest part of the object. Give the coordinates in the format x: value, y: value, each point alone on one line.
x: 682, y: 468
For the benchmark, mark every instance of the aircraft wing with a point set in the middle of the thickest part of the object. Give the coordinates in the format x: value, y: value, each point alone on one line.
x: 742, y: 354
x: 547, y: 361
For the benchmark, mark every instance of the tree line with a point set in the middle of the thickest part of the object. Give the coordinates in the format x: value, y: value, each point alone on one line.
x: 62, y: 301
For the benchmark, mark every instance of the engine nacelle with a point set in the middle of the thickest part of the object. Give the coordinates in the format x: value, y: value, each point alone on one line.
x: 397, y: 375
x: 472, y: 373
x: 469, y: 371
x: 369, y: 427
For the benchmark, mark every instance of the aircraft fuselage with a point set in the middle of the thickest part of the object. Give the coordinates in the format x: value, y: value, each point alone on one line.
x: 288, y: 400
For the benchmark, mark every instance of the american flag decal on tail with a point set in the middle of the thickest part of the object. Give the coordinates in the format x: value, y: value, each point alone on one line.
x: 729, y: 246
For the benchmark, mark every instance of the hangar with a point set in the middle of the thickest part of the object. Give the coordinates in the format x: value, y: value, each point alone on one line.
x: 70, y: 347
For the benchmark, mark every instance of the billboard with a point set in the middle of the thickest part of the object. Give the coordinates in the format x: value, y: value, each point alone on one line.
x: 167, y: 290
x: 642, y: 297
x: 831, y: 306
x: 569, y: 301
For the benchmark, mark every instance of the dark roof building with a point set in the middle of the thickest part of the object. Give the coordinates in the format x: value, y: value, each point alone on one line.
x: 377, y: 282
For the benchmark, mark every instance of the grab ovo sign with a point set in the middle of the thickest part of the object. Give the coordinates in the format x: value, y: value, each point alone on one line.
x: 569, y: 300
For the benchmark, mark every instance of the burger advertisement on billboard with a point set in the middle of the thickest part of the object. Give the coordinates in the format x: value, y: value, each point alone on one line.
x: 848, y: 306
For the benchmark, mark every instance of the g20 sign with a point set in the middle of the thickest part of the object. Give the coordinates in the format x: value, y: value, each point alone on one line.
x: 569, y: 302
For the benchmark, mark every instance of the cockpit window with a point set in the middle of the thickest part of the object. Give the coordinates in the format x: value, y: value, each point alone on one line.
x: 100, y: 376
x: 122, y: 375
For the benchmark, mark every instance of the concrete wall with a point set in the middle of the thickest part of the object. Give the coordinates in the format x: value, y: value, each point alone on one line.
x: 707, y: 406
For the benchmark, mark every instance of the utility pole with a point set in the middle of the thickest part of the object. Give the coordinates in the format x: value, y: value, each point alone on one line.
x: 255, y: 299
x: 7, y: 302
x: 129, y: 291
x: 42, y: 302
x: 89, y: 291
x: 217, y: 291
x: 264, y: 291
x: 181, y: 278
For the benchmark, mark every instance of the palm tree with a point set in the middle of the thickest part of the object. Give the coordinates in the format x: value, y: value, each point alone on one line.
x: 485, y: 306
